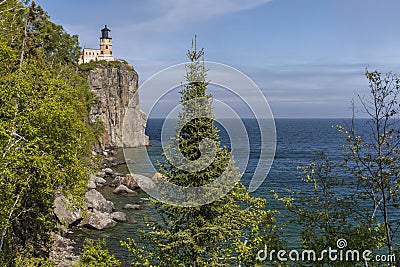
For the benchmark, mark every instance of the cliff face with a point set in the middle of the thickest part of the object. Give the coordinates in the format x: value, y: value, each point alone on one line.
x: 114, y: 87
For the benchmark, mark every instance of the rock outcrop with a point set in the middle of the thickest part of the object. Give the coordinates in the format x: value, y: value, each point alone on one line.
x: 98, y: 220
x: 65, y: 211
x: 132, y: 207
x: 96, y: 201
x: 62, y: 252
x: 123, y: 189
x: 129, y: 181
x: 119, y: 216
x: 116, y: 92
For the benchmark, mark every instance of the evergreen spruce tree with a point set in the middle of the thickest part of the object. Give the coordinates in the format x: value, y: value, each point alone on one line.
x: 226, y: 232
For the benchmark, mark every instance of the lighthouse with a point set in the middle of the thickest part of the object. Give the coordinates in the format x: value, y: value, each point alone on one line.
x: 104, y: 53
x: 105, y: 45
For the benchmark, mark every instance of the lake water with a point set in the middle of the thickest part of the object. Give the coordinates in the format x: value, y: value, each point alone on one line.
x: 297, y: 139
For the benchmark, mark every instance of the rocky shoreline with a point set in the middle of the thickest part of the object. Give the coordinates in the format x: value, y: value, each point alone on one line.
x: 97, y: 212
x: 115, y: 89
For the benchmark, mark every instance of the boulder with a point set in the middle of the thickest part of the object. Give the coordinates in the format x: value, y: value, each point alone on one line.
x: 101, y: 174
x: 130, y: 181
x: 146, y: 183
x: 106, y: 163
x: 132, y: 207
x: 108, y: 171
x: 65, y: 211
x: 117, y: 174
x: 96, y: 201
x: 116, y: 162
x: 91, y: 185
x: 117, y: 181
x: 60, y: 241
x: 62, y: 252
x: 111, y: 159
x: 122, y: 189
x: 91, y: 182
x: 100, y: 180
x: 119, y: 216
x: 92, y: 177
x: 98, y: 220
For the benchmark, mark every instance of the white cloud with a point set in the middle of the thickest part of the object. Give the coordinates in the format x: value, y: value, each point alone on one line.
x: 175, y: 14
x: 184, y: 9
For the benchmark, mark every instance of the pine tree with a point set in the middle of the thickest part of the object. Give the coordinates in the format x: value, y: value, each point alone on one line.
x: 226, y: 232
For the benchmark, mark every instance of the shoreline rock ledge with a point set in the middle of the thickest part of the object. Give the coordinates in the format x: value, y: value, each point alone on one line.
x: 100, y: 213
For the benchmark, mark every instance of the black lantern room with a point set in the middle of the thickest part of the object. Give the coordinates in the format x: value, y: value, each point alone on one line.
x: 105, y: 33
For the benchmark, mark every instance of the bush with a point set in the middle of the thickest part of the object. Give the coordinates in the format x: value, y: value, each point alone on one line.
x: 95, y: 254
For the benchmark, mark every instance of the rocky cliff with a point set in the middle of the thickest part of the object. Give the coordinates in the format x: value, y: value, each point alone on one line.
x: 115, y: 86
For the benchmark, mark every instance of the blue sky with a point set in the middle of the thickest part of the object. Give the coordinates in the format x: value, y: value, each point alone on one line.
x: 307, y: 56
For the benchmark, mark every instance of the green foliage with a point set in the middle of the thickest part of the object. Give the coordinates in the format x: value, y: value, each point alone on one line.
x: 367, y: 215
x: 86, y: 67
x: 95, y: 254
x: 24, y: 261
x: 45, y: 40
x: 226, y: 232
x: 45, y: 135
x: 6, y: 53
x: 374, y: 159
x: 326, y: 214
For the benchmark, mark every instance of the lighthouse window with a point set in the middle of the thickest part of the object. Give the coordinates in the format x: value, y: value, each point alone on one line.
x: 106, y: 46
